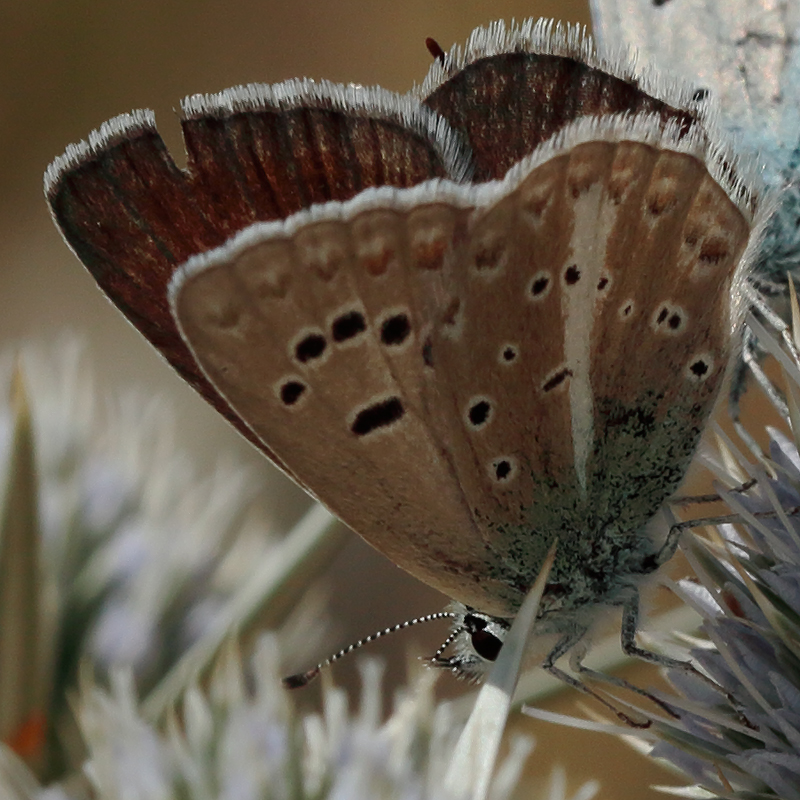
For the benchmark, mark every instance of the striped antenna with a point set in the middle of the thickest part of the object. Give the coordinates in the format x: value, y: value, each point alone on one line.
x: 304, y: 678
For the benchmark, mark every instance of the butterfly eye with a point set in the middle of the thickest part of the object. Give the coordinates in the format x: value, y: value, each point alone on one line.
x: 486, y: 644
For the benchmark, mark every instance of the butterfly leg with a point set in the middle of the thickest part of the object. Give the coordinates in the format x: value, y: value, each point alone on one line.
x: 697, y: 499
x: 576, y: 664
x: 630, y: 624
x: 565, y: 644
x: 673, y: 537
x: 667, y: 549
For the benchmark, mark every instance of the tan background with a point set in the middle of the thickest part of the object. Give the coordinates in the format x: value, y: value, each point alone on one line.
x: 67, y: 65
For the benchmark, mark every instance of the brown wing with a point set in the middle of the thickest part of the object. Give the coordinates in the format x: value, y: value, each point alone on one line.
x: 433, y: 364
x: 593, y: 331
x: 511, y: 89
x: 256, y: 153
x: 315, y: 333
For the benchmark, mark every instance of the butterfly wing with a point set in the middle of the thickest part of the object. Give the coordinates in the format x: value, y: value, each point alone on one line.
x: 254, y: 153
x: 316, y: 332
x: 594, y: 328
x: 743, y: 59
x: 478, y: 394
x: 511, y: 89
x: 359, y: 330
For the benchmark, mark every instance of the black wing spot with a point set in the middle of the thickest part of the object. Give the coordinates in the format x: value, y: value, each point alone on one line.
x: 348, y: 326
x: 395, y: 330
x: 509, y: 354
x: 699, y: 94
x: 502, y: 470
x: 602, y: 283
x: 700, y: 367
x: 479, y: 413
x: 670, y: 319
x: 539, y: 285
x: 557, y: 379
x: 572, y: 275
x: 378, y: 415
x: 291, y: 392
x: 310, y: 347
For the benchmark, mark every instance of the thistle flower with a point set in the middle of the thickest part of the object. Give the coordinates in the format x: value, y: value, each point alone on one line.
x: 131, y: 547
x: 113, y: 549
x: 745, y: 740
x: 242, y: 738
x: 736, y: 733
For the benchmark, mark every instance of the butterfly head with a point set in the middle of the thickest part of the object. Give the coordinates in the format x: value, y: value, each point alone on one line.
x: 475, y: 640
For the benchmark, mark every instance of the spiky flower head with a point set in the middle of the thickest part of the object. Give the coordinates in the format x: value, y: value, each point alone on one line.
x: 736, y: 730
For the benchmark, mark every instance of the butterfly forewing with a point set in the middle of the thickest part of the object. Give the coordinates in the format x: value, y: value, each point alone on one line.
x: 254, y: 153
x: 512, y: 89
x: 329, y: 369
x: 305, y: 143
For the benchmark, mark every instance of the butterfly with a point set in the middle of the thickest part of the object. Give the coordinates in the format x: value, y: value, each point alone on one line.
x: 743, y: 58
x: 469, y: 319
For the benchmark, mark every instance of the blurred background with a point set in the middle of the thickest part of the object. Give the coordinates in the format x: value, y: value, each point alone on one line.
x: 65, y: 67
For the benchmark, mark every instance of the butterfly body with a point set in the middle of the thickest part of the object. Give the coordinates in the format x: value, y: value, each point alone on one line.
x: 463, y: 371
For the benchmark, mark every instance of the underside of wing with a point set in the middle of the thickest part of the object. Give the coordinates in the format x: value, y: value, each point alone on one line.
x: 463, y: 373
x: 255, y: 153
x: 317, y: 333
x: 511, y: 88
x: 458, y: 370
x: 595, y: 315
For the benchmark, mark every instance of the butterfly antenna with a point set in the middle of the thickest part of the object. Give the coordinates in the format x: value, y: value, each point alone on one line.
x: 304, y: 678
x: 445, y: 644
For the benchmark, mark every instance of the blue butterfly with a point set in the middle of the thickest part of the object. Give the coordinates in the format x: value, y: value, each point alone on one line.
x: 742, y: 55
